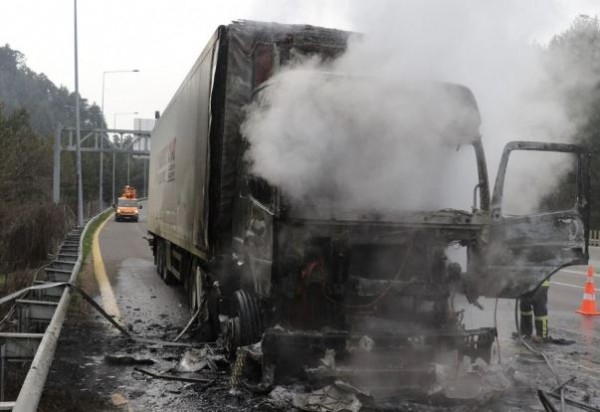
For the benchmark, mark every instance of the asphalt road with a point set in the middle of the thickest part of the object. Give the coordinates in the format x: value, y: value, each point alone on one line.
x: 140, y: 293
x: 82, y: 379
x: 565, y: 296
x: 577, y: 356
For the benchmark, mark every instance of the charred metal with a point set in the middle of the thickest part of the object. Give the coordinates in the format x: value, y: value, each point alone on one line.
x: 368, y: 290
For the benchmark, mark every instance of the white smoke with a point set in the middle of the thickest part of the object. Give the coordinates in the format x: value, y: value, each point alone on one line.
x: 360, y: 145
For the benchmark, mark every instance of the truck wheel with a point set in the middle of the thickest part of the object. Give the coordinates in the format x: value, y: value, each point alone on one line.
x: 245, y: 324
x: 159, y: 257
x: 161, y: 266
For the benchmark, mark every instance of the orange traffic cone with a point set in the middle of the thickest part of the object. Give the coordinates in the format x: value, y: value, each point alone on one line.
x: 588, y: 304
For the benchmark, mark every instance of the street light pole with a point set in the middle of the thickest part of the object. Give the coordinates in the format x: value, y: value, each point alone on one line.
x: 78, y: 128
x: 114, y: 127
x: 114, y: 158
x: 101, y: 188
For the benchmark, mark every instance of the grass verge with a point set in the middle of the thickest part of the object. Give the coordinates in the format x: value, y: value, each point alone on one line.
x: 89, y: 235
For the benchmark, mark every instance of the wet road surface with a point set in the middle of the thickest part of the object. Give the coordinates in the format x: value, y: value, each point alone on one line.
x: 579, y: 354
x: 141, y: 295
x: 82, y: 379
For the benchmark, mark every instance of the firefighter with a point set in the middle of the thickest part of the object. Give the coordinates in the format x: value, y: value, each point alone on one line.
x: 534, y: 306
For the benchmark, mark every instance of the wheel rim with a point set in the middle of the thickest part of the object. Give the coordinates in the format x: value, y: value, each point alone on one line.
x: 233, y: 335
x: 245, y: 325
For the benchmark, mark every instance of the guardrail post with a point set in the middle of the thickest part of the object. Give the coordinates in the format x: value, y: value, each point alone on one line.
x: 2, y: 356
x: 37, y: 313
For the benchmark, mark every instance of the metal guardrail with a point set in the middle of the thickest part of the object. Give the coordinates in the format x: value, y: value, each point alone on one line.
x: 71, y: 255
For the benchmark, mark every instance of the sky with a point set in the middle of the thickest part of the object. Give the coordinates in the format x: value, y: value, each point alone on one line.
x: 162, y: 39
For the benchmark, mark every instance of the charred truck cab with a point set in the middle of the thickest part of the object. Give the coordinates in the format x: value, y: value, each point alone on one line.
x: 371, y: 290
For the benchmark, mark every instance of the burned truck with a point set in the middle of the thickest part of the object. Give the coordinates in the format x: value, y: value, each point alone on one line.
x: 313, y: 276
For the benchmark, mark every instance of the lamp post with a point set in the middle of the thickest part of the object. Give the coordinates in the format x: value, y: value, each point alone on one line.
x: 100, y: 190
x: 113, y: 163
x: 77, y: 125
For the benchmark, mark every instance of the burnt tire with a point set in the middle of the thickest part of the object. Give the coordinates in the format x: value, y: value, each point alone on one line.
x: 246, y: 324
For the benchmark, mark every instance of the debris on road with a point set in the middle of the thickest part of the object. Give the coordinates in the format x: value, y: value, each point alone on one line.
x: 127, y: 360
x: 333, y: 398
x: 248, y: 367
x: 478, y: 381
x: 194, y: 360
x: 559, y: 341
x: 118, y: 400
x: 189, y: 324
x: 339, y: 396
x: 173, y: 377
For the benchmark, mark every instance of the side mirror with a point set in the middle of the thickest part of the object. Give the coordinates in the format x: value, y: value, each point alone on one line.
x: 140, y: 206
x: 114, y: 205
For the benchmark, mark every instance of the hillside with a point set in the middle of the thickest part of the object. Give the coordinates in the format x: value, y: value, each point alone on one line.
x: 31, y: 106
x: 47, y: 104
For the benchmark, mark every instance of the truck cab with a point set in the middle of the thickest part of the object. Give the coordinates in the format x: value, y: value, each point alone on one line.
x: 127, y: 206
x: 322, y: 260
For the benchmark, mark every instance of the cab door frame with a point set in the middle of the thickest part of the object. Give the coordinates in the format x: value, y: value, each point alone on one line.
x: 523, y: 251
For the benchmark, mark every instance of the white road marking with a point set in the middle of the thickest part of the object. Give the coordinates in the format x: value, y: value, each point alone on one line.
x: 566, y: 284
x: 577, y: 272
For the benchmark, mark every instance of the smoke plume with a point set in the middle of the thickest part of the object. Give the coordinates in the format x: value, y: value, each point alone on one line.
x: 359, y: 142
